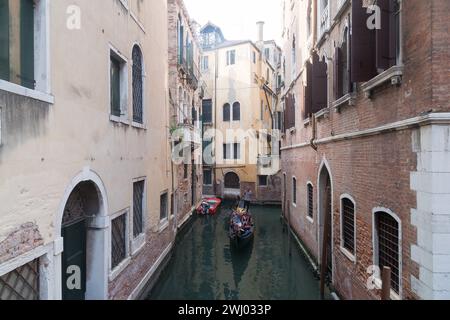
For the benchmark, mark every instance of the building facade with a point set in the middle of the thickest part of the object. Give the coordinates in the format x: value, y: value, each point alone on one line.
x: 85, y: 162
x: 186, y: 93
x: 238, y: 112
x: 365, y: 152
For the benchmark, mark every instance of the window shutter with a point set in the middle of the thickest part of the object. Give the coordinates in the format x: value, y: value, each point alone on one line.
x: 27, y: 43
x: 236, y: 111
x: 319, y: 85
x: 394, y: 32
x: 308, y: 90
x: 4, y: 40
x: 382, y: 37
x: 363, y: 45
x: 337, y: 73
x: 226, y: 113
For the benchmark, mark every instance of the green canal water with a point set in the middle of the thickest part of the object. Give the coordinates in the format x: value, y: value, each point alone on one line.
x: 205, y: 267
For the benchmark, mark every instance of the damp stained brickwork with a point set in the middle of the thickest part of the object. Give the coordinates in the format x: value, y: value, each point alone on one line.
x: 22, y: 240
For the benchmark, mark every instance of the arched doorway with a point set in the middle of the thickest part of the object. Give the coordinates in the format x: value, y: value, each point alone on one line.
x: 326, y: 221
x: 232, y: 185
x: 83, y: 260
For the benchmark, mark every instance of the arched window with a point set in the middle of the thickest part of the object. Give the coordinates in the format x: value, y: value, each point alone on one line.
x: 138, y: 96
x: 387, y: 245
x: 236, y: 111
x: 226, y: 112
x: 310, y: 193
x: 232, y: 181
x: 348, y: 224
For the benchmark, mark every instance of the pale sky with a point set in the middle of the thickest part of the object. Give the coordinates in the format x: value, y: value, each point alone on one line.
x: 237, y: 18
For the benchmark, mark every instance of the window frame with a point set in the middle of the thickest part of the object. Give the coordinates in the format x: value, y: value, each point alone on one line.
x: 266, y: 184
x: 123, y: 80
x: 309, y: 205
x: 138, y: 241
x: 42, y: 59
x: 232, y: 147
x: 204, y: 176
x: 294, y: 190
x: 163, y: 221
x: 231, y: 57
x: 378, y: 279
x: 142, y: 125
x: 115, y: 271
x: 351, y: 256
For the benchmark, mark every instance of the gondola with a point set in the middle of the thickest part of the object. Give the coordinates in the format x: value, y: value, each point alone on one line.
x: 242, y: 229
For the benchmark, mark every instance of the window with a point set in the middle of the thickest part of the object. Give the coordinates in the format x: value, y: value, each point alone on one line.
x: 185, y: 171
x: 138, y: 207
x: 205, y: 63
x: 226, y: 112
x: 17, y: 36
x: 348, y: 225
x: 232, y: 181
x: 207, y: 177
x: 231, y: 151
x: 254, y: 56
x: 231, y: 57
x: 262, y: 181
x: 294, y: 191
x: 316, y: 91
x: 267, y: 53
x: 180, y: 28
x: 138, y: 76
x: 387, y: 244
x: 207, y: 111
x: 118, y: 240
x: 342, y: 82
x: 375, y: 50
x: 21, y: 283
x: 163, y: 213
x: 310, y: 189
x: 294, y: 55
x: 118, y: 85
x: 236, y: 111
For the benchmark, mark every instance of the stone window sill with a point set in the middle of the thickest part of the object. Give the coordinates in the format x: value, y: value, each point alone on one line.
x: 119, y: 269
x: 311, y: 220
x: 164, y: 224
x: 306, y: 122
x: 349, y: 255
x: 121, y: 120
x: 139, y: 125
x: 393, y: 75
x: 348, y: 99
x: 379, y: 285
x: 25, y: 92
x: 322, y: 113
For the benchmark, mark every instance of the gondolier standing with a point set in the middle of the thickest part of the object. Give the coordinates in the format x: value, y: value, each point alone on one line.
x: 247, y: 199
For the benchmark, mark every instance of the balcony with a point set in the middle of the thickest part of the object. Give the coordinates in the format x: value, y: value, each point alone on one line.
x: 268, y: 165
x: 193, y: 75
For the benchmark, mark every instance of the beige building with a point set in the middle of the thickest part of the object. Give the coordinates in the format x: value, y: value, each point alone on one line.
x: 238, y: 109
x: 85, y: 174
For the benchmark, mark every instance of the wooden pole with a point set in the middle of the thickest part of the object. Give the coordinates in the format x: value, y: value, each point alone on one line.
x: 386, y: 287
x: 289, y: 227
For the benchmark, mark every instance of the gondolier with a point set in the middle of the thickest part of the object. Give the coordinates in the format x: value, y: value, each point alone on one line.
x: 247, y: 199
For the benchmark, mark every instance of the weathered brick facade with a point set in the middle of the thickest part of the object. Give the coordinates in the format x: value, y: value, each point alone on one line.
x: 369, y: 147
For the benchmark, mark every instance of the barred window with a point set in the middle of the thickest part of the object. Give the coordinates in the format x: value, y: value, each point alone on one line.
x: 388, y: 246
x: 348, y: 225
x: 310, y: 200
x: 21, y: 283
x: 138, y: 97
x: 294, y: 190
x: 118, y: 240
x: 138, y: 208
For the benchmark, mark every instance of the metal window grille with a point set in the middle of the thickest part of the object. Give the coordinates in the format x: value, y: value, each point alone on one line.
x: 310, y: 201
x: 21, y: 283
x: 294, y: 191
x: 348, y: 225
x: 138, y: 208
x: 388, y: 247
x: 138, y: 115
x: 115, y: 87
x: 118, y: 238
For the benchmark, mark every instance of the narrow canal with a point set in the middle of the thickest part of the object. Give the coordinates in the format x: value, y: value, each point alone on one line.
x: 205, y: 267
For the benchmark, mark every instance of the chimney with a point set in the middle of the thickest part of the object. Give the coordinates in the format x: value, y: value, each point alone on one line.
x: 260, y: 26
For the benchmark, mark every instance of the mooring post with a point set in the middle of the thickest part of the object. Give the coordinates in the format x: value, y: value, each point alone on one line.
x: 289, y: 228
x: 386, y: 286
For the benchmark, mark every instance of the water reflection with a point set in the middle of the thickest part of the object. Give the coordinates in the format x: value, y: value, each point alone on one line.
x: 206, y: 266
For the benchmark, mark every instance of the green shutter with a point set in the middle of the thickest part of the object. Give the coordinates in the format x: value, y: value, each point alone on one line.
x: 4, y: 40
x: 27, y: 43
x: 115, y: 87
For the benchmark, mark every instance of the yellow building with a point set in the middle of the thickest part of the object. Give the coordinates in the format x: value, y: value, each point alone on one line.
x: 239, y: 109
